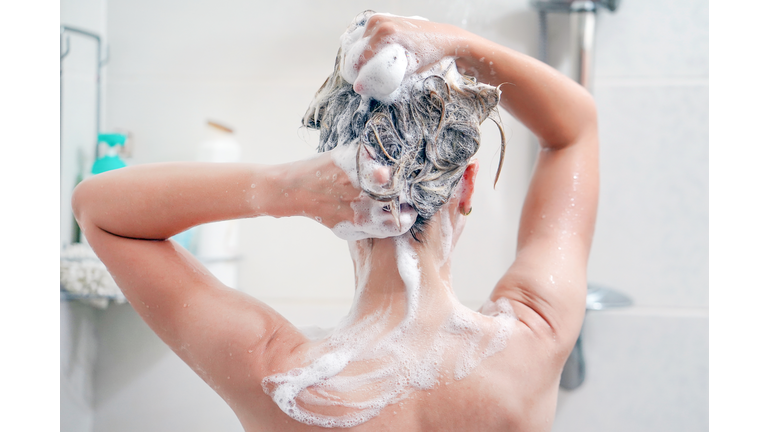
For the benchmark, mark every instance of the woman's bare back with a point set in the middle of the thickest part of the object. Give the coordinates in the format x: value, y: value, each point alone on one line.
x: 510, y: 390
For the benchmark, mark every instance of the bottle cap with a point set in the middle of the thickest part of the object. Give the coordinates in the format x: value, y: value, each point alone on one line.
x: 112, y: 139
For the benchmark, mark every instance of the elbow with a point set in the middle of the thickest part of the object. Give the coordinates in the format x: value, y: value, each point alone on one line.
x: 585, y: 116
x: 589, y: 112
x: 578, y: 124
x: 82, y: 199
x: 77, y: 201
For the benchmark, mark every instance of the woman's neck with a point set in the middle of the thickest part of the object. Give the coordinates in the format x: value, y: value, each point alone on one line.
x: 411, y: 278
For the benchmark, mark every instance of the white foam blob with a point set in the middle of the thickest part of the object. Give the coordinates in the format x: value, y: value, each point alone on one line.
x: 382, y: 75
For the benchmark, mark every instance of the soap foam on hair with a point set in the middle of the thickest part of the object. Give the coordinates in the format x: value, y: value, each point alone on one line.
x: 382, y: 75
x: 371, y: 220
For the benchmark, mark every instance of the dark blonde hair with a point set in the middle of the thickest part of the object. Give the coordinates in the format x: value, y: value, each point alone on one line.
x: 427, y: 136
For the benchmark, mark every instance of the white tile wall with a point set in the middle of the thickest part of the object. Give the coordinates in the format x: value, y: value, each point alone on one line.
x: 654, y: 38
x: 652, y: 237
x: 78, y: 353
x: 144, y: 386
x: 646, y: 371
x: 255, y: 65
x: 78, y: 344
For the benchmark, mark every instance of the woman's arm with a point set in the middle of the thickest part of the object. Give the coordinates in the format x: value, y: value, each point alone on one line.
x: 229, y: 338
x: 558, y: 216
x: 157, y: 201
x: 548, y: 277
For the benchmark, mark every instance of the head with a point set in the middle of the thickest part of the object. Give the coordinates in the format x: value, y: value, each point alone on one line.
x: 426, y: 137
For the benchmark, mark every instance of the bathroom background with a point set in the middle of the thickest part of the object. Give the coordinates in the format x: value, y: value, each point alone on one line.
x: 254, y: 66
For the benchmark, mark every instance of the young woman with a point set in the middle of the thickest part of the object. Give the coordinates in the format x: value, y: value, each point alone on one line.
x: 395, y: 177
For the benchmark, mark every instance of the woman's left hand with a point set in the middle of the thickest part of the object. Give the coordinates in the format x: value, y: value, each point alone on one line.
x: 321, y: 190
x: 326, y: 189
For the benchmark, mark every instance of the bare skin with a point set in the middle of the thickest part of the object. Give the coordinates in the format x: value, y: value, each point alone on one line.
x: 233, y: 341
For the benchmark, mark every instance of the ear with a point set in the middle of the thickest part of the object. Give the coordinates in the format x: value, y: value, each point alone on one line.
x: 468, y: 187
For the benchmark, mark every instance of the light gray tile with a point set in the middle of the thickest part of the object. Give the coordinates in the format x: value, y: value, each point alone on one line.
x: 238, y: 39
x: 295, y: 258
x: 78, y: 142
x: 644, y: 373
x: 653, y: 38
x: 77, y: 361
x: 651, y: 238
x: 84, y: 14
x: 167, y: 397
x: 324, y: 315
x: 142, y: 385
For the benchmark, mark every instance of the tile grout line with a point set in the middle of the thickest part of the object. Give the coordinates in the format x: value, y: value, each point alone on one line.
x: 652, y: 82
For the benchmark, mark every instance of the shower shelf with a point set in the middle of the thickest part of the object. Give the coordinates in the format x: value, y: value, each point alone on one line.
x: 69, y: 296
x: 65, y: 295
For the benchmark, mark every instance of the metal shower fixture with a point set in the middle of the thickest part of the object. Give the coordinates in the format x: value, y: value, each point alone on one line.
x: 582, y: 14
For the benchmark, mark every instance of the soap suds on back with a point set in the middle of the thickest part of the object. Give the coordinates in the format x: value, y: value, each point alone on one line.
x: 394, y: 360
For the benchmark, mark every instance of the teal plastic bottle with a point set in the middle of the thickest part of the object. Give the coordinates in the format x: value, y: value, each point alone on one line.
x: 110, y: 160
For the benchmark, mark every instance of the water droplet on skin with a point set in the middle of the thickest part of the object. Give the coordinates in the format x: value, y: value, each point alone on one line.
x: 318, y: 174
x: 253, y: 185
x: 250, y: 351
x: 186, y: 305
x: 286, y: 194
x: 318, y: 218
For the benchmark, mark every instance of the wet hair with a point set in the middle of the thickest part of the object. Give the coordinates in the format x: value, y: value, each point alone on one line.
x: 426, y: 136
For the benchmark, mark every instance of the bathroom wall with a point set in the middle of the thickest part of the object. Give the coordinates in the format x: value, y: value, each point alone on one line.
x: 78, y: 96
x: 254, y: 66
x: 648, y: 365
x: 78, y: 343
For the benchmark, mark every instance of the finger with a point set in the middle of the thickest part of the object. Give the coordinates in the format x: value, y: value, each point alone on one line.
x: 381, y: 175
x: 380, y: 29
